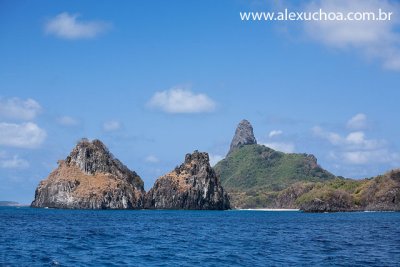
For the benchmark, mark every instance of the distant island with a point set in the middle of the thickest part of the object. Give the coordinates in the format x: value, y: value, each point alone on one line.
x: 10, y: 204
x: 256, y: 176
x: 250, y: 176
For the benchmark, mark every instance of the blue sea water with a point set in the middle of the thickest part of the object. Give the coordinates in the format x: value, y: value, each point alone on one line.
x: 50, y: 237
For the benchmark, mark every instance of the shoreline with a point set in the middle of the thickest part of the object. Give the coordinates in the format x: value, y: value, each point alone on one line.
x: 265, y: 209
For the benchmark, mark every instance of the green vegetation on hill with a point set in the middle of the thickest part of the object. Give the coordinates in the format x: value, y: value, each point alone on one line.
x: 259, y: 167
x: 379, y: 193
x: 258, y: 177
x: 254, y: 174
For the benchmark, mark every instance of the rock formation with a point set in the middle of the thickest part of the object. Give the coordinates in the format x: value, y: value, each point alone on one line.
x: 90, y: 178
x: 381, y: 193
x: 243, y: 136
x: 254, y: 175
x: 330, y: 201
x: 286, y: 199
x: 193, y: 185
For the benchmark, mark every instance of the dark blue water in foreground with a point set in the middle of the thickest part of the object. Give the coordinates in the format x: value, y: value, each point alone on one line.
x: 46, y: 237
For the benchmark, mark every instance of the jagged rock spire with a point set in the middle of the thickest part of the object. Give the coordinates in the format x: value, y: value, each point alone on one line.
x: 93, y: 157
x: 192, y: 185
x: 243, y: 136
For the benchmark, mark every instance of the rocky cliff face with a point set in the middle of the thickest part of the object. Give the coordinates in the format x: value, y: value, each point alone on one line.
x: 90, y: 178
x: 330, y: 201
x: 381, y: 193
x: 286, y: 199
x: 193, y: 185
x: 243, y: 136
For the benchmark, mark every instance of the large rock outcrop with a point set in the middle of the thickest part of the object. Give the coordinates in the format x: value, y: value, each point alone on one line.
x: 243, y: 136
x: 331, y: 200
x: 381, y: 193
x: 193, y: 185
x: 90, y: 178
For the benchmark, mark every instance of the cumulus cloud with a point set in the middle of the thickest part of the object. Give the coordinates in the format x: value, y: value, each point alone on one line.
x: 67, y: 121
x: 16, y: 108
x: 353, y: 140
x: 110, y: 126
x: 151, y: 159
x: 365, y: 157
x: 355, y: 147
x: 277, y: 141
x: 24, y: 135
x: 178, y: 100
x: 377, y: 40
x: 13, y: 163
x: 358, y: 122
x: 332, y: 137
x: 286, y: 147
x: 68, y: 26
x: 274, y: 133
x: 214, y: 159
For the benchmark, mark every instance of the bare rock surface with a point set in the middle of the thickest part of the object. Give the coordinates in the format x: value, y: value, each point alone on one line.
x: 192, y: 185
x: 90, y: 178
x: 243, y: 136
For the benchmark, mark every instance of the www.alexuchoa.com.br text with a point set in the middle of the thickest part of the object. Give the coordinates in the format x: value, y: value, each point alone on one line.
x: 320, y: 15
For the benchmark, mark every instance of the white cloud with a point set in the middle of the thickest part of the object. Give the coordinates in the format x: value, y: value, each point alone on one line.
x: 15, y: 108
x: 355, y: 148
x: 13, y: 163
x: 25, y: 135
x: 67, y: 26
x: 214, y: 159
x: 358, y: 122
x: 354, y: 140
x: 274, y: 133
x: 151, y: 159
x: 110, y: 126
x: 67, y: 121
x: 364, y: 157
x: 373, y: 39
x: 281, y: 146
x: 333, y: 138
x: 178, y: 100
x: 357, y: 138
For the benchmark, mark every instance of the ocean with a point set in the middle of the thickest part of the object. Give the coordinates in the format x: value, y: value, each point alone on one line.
x: 51, y: 237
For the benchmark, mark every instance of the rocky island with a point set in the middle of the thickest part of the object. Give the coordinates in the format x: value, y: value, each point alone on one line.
x: 4, y: 203
x: 380, y: 193
x: 253, y: 175
x: 90, y: 178
x: 256, y: 176
x: 192, y: 185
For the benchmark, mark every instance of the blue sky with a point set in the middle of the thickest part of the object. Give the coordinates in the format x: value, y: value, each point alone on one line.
x: 155, y: 80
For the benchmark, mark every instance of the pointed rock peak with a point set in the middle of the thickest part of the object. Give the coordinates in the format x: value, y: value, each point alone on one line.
x: 243, y: 135
x: 192, y: 185
x: 198, y: 157
x: 93, y: 157
x: 96, y: 146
